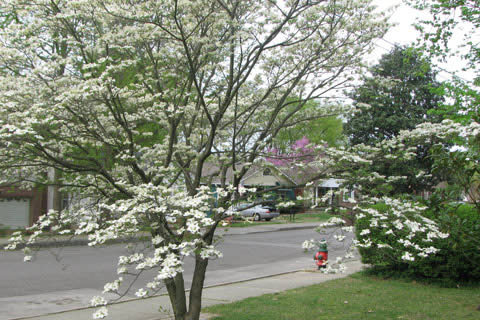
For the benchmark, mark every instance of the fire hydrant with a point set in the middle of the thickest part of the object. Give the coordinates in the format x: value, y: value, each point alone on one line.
x: 321, y: 256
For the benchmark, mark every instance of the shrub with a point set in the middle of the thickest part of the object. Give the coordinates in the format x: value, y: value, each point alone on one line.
x: 412, y: 241
x: 459, y: 259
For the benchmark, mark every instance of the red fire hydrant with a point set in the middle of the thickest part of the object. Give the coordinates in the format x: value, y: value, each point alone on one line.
x: 321, y: 256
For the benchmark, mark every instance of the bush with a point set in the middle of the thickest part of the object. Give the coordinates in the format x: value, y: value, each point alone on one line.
x: 457, y: 258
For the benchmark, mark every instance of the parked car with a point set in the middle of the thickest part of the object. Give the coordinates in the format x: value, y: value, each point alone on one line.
x: 257, y: 212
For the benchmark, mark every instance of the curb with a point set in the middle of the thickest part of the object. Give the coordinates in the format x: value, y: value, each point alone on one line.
x: 187, y: 290
x: 72, y: 243
x: 84, y: 242
x: 160, y: 295
x: 282, y: 229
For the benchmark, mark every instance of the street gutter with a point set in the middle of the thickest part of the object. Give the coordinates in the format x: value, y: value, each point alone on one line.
x: 83, y: 241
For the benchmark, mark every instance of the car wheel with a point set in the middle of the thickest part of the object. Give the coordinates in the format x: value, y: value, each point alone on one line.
x: 256, y: 217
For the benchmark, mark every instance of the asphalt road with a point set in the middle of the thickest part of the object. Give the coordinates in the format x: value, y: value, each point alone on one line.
x: 65, y: 280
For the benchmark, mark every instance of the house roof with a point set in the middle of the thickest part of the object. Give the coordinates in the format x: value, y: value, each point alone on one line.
x: 293, y: 174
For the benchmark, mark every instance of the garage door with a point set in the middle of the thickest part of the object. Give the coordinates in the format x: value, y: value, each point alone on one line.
x: 14, y: 213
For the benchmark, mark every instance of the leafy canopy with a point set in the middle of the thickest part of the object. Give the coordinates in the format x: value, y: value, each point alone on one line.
x: 397, y: 96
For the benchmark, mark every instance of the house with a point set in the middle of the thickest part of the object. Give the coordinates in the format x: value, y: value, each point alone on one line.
x: 292, y: 181
x: 301, y: 152
x: 287, y: 183
x: 21, y: 208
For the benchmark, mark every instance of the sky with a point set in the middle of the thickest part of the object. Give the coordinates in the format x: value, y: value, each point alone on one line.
x: 403, y: 33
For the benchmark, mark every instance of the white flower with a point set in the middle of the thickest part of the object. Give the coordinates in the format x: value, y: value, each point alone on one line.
x: 112, y: 286
x: 27, y: 258
x: 285, y: 204
x: 349, y: 255
x: 157, y: 240
x: 442, y: 235
x: 141, y: 293
x: 210, y: 253
x: 408, y: 257
x: 381, y: 245
x: 365, y: 244
x: 308, y: 244
x: 336, y: 220
x: 153, y: 284
x: 101, y: 313
x: 122, y: 270
x: 192, y: 226
x: 98, y: 301
x: 398, y: 224
x: 365, y: 232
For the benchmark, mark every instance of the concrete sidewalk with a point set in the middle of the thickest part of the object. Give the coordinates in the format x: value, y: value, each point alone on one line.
x: 148, y: 308
x: 82, y: 240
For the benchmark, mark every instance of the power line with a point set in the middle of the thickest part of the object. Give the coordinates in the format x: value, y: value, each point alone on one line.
x: 438, y: 67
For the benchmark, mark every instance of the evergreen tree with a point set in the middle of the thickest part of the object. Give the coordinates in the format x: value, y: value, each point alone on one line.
x: 397, y: 96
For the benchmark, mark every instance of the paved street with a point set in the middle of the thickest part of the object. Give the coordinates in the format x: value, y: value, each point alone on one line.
x: 48, y: 285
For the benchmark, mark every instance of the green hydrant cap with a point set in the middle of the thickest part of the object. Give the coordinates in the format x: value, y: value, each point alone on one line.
x: 322, y: 247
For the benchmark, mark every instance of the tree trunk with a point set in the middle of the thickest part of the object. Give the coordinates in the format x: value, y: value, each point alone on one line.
x: 196, y: 289
x: 176, y: 292
x: 195, y: 304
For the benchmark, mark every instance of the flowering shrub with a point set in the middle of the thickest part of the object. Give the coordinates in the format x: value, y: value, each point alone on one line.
x: 398, y: 236
x: 428, y: 243
x: 395, y: 232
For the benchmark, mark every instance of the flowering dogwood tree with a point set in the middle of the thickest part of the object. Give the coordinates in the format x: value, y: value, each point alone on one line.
x: 128, y: 103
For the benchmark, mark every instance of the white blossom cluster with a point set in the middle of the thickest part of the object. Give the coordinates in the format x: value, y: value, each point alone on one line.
x: 286, y: 204
x: 445, y: 130
x: 333, y: 221
x: 401, y: 230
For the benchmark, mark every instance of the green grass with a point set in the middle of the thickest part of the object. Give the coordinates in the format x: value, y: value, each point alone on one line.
x: 357, y: 297
x: 308, y: 217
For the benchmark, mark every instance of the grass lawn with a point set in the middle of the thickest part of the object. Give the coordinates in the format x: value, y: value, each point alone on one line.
x: 357, y: 297
x: 308, y: 217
